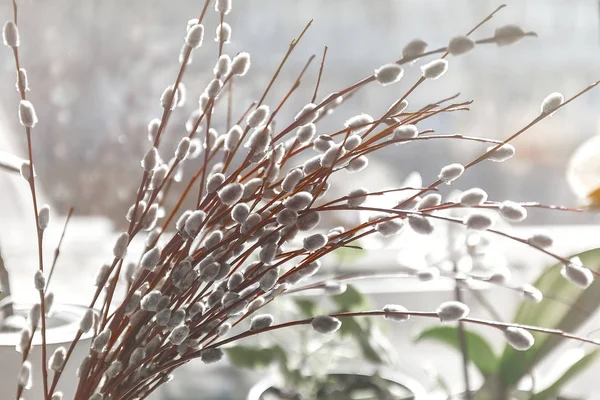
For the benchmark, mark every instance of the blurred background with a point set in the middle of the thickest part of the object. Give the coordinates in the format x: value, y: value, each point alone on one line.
x: 98, y: 67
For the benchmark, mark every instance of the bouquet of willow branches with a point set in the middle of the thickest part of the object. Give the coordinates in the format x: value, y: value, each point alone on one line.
x: 255, y: 229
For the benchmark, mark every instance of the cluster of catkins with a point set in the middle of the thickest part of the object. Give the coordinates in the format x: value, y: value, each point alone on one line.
x: 255, y: 230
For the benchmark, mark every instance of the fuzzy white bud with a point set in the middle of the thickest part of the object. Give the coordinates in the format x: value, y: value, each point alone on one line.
x: 287, y: 217
x: 24, y: 378
x: 269, y: 279
x: 420, y: 224
x: 519, y: 338
x: 414, y: 48
x: 512, y: 211
x: 214, y: 182
x: 114, y: 369
x: 508, y: 34
x: 223, y: 66
x: 551, y: 103
x: 102, y: 275
x: 150, y: 160
x: 22, y: 84
x: 352, y: 142
x: 451, y: 172
x: 25, y: 171
x: 428, y: 274
x: 120, y: 247
x: 308, y: 114
x: 478, y: 221
x: 332, y: 155
x: 389, y: 228
x: 24, y: 339
x: 357, y: 164
x: 39, y: 280
x: 44, y: 216
x: 261, y: 321
x: 179, y: 334
x: 405, y: 132
x: 394, y: 308
x: 223, y: 6
x: 259, y: 140
x: 101, y: 341
x: 231, y: 193
x: 57, y: 359
x: 299, y: 201
x: 532, y: 293
x: 473, y: 197
x: 153, y: 127
x: 233, y: 137
x: 450, y: 311
x: 27, y: 115
x: 308, y: 221
x: 240, y: 64
x: 429, y: 201
x: 194, y: 36
x: 359, y: 123
x: 211, y: 355
x: 182, y: 148
x: 223, y: 33
x: 326, y: 324
x: 240, y: 212
x: 577, y: 273
x: 305, y: 133
x: 460, y: 45
x: 258, y: 116
x: 194, y: 221
x: 150, y: 301
x: 540, y: 240
x: 158, y: 177
x: 291, y: 180
x: 169, y: 98
x: 81, y: 370
x: 10, y: 34
x: 357, y: 197
x: 250, y: 223
x: 434, y: 69
x: 150, y: 258
x: 213, y: 88
x: 388, y: 74
x: 502, y: 153
x: 87, y: 321
x: 314, y: 242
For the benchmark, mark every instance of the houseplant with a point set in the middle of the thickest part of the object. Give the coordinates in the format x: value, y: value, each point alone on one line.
x: 361, y: 360
x: 192, y: 289
x: 564, y: 307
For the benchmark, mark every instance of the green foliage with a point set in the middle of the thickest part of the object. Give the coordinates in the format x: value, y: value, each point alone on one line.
x: 579, y: 366
x: 362, y: 331
x: 349, y: 253
x: 479, y: 350
x: 307, y: 308
x: 255, y: 357
x: 350, y: 300
x: 566, y: 307
x: 567, y: 310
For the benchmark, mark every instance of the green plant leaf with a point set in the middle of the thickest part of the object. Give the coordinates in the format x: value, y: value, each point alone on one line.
x: 567, y: 309
x: 306, y: 307
x: 350, y: 300
x: 361, y: 332
x: 349, y: 254
x: 553, y: 390
x: 480, y: 351
x: 255, y: 357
